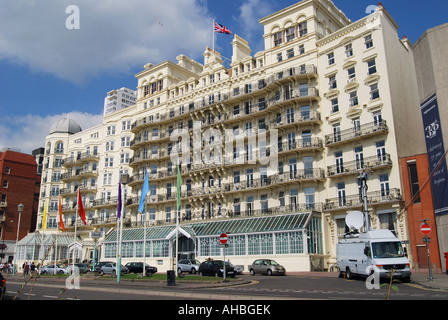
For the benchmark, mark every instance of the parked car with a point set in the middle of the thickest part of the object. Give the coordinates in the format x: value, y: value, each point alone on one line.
x: 238, y: 269
x: 215, y: 268
x: 49, y: 269
x: 2, y: 286
x: 137, y: 267
x: 82, y: 268
x: 98, y: 265
x: 188, y: 265
x: 266, y: 266
x: 111, y: 268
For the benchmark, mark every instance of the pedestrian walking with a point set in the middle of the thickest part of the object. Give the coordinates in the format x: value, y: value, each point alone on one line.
x: 26, y: 269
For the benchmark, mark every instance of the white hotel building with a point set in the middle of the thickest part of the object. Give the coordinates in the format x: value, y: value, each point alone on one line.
x: 333, y: 98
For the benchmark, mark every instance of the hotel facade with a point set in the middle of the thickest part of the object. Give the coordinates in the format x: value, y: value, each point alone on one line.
x: 270, y: 149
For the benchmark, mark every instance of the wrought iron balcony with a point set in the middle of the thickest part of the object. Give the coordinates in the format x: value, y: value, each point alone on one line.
x: 360, y: 132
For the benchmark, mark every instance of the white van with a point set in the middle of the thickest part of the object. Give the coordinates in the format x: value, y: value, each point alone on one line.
x: 378, y: 250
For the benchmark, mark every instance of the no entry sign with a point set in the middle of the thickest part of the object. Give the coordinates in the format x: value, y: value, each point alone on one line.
x: 425, y: 228
x: 223, y: 238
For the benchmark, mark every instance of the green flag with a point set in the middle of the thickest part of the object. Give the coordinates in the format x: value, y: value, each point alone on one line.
x: 179, y: 183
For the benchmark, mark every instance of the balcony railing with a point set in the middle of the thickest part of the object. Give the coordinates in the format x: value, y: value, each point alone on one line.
x: 85, y: 156
x: 351, y: 201
x: 355, y: 133
x: 355, y: 166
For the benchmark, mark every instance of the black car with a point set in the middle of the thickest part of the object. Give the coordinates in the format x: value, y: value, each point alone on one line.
x: 215, y: 268
x: 137, y: 267
x: 2, y: 286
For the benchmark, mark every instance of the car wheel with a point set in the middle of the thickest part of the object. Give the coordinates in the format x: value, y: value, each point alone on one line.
x: 200, y: 274
x: 179, y: 270
x: 252, y: 272
x: 269, y: 272
x: 193, y: 270
x: 348, y: 273
x: 114, y: 273
x: 101, y: 273
x: 216, y: 274
x: 60, y: 272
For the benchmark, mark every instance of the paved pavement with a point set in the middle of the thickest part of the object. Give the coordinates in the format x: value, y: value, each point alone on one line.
x: 439, y: 281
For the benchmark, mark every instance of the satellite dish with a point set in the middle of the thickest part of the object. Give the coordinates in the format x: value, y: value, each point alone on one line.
x: 354, y: 220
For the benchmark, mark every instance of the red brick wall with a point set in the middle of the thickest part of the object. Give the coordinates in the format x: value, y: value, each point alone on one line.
x: 420, y: 211
x: 23, y: 187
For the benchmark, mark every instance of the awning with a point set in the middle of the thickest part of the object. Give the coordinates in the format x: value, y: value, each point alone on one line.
x: 286, y: 222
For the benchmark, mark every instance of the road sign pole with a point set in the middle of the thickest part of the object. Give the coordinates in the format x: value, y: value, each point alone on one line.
x: 426, y: 229
x: 429, y: 258
x: 223, y: 238
x: 224, y: 251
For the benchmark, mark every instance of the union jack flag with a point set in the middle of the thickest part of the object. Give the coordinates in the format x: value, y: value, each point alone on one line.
x: 221, y: 29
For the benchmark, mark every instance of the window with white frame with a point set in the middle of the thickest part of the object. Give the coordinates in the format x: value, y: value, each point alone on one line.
x: 374, y: 91
x: 349, y: 50
x: 334, y: 105
x: 341, y: 194
x: 354, y: 98
x: 332, y: 83
x: 110, y: 130
x: 330, y: 57
x: 278, y: 39
x: 108, y: 162
x: 290, y: 33
x: 303, y: 30
x: 371, y: 66
x: 368, y: 41
x: 384, y: 186
x: 351, y: 74
x: 377, y: 118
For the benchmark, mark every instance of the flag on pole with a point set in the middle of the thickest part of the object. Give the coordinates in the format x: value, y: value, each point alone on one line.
x: 219, y: 28
x: 179, y: 183
x: 61, y: 222
x: 119, y: 201
x: 82, y: 213
x: 44, y: 220
x: 145, y: 190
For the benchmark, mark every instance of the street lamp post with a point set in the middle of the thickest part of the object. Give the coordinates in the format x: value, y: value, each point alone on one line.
x: 124, y: 179
x: 20, y: 209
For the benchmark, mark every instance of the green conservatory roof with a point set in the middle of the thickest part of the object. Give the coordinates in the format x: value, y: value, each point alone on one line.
x: 46, y: 239
x: 214, y: 228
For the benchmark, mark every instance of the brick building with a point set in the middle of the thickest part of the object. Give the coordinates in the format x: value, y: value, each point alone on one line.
x: 19, y: 183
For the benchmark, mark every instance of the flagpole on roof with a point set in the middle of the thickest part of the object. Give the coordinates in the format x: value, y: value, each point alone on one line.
x: 213, y: 33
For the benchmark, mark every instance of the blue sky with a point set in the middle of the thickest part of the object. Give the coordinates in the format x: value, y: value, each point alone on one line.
x: 47, y: 71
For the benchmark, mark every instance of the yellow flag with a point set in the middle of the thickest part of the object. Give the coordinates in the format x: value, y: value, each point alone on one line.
x: 44, y: 220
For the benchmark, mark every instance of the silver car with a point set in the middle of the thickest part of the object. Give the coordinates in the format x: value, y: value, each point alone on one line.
x: 60, y: 269
x: 111, y: 268
x: 188, y: 265
x: 266, y: 266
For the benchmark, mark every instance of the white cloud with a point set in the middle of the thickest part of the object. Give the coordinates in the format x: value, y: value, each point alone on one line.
x: 27, y: 133
x: 114, y: 35
x: 251, y: 12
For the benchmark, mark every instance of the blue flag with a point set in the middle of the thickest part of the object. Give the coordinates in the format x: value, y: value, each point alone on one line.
x: 119, y: 201
x: 145, y: 190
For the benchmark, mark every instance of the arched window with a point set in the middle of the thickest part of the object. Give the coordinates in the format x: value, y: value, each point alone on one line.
x: 59, y: 147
